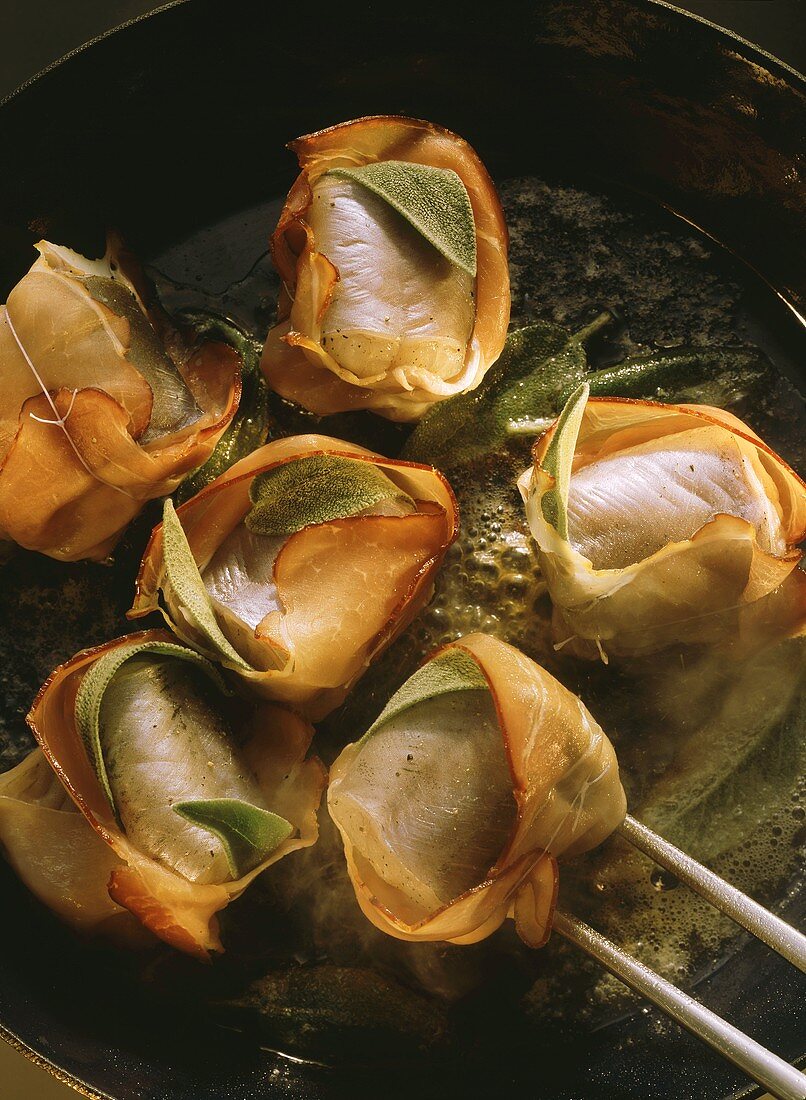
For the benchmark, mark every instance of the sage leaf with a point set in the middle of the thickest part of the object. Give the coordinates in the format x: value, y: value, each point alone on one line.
x: 450, y: 671
x: 433, y: 200
x: 719, y: 376
x: 186, y: 581
x: 98, y: 678
x: 558, y: 460
x: 252, y: 423
x: 335, y: 1003
x: 744, y: 747
x: 519, y: 395
x: 316, y: 489
x: 248, y: 833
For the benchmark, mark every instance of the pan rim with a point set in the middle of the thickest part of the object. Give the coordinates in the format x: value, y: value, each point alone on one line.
x: 745, y: 48
x: 785, y: 71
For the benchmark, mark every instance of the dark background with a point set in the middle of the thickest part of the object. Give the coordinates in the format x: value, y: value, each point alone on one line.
x: 37, y: 32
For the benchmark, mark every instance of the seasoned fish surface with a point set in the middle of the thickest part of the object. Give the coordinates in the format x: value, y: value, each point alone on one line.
x: 163, y: 743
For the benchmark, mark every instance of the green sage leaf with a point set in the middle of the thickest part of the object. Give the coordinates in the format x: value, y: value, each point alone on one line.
x: 316, y: 489
x: 741, y: 744
x: 248, y: 833
x: 519, y: 395
x: 558, y: 460
x: 98, y: 678
x: 321, y: 1011
x: 252, y: 424
x: 720, y: 376
x: 450, y: 671
x: 186, y: 581
x: 433, y: 200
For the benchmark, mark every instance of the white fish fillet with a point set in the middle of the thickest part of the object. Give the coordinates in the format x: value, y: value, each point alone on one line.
x: 430, y: 795
x: 398, y: 302
x: 624, y: 507
x: 163, y: 743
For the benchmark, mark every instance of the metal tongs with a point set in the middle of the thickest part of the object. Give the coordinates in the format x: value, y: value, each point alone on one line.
x: 764, y: 1067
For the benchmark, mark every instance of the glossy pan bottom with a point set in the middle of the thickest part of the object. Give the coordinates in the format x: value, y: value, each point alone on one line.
x: 134, y: 133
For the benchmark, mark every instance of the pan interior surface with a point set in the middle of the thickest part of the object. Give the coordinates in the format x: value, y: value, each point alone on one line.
x: 309, y: 999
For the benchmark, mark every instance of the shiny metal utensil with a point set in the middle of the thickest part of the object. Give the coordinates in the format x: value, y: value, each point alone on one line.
x: 773, y: 931
x: 764, y: 1067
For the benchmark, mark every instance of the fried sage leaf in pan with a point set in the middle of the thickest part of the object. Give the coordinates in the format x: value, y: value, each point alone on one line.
x: 453, y: 807
x: 300, y: 564
x: 186, y: 792
x: 104, y: 405
x: 657, y: 524
x: 392, y: 248
x: 252, y: 424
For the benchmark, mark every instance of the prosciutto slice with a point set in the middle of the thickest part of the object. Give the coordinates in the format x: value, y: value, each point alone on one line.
x: 658, y: 524
x: 374, y: 315
x: 455, y: 805
x: 104, y: 405
x: 298, y: 615
x: 129, y: 820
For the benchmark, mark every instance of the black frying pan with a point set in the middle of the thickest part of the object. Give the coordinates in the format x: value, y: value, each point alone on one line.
x: 173, y: 130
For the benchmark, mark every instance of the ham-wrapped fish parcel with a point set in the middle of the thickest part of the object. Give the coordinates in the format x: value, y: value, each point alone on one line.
x: 56, y: 852
x: 392, y: 248
x: 179, y: 793
x: 453, y: 807
x: 657, y: 524
x: 299, y: 564
x: 104, y: 405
